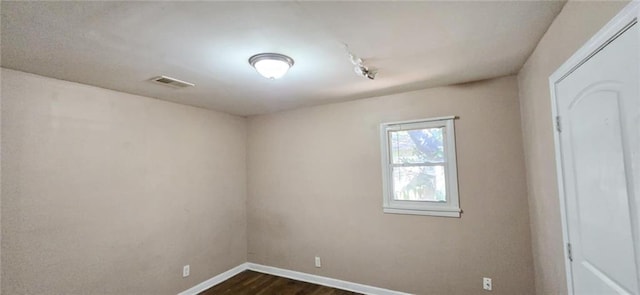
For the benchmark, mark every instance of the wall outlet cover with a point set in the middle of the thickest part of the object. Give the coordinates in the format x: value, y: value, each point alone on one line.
x: 185, y: 271
x: 486, y: 284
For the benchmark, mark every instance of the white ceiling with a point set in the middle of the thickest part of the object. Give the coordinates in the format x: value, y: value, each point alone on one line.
x: 120, y: 45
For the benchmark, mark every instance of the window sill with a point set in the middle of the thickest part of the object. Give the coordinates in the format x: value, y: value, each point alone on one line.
x: 439, y: 213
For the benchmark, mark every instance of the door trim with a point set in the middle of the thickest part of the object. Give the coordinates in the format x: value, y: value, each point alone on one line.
x: 628, y: 16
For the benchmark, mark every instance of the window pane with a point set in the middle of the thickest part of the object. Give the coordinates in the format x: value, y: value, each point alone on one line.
x: 417, y: 146
x: 421, y: 183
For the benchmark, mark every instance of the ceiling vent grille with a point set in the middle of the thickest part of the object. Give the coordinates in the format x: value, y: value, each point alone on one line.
x: 171, y: 82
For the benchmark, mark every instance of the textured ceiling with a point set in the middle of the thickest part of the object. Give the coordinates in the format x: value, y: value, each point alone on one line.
x: 120, y: 45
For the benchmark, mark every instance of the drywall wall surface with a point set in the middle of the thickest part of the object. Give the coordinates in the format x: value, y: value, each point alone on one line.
x: 575, y: 24
x: 315, y: 189
x: 111, y: 193
x: 0, y: 185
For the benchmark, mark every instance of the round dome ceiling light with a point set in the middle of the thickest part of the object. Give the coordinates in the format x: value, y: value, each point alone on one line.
x: 271, y: 65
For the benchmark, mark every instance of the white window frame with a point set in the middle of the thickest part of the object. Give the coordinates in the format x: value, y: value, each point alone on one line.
x: 450, y: 208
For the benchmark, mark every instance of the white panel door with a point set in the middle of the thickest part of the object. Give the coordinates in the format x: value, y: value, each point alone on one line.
x: 599, y: 117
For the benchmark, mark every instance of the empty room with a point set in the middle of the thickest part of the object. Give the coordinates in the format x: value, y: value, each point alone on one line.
x: 319, y: 147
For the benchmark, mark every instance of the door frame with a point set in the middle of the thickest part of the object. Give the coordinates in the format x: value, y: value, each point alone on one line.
x: 629, y: 15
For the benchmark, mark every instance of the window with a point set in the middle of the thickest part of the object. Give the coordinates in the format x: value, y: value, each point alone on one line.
x: 419, y: 167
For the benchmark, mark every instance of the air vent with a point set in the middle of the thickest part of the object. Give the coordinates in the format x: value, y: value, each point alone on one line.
x: 172, y: 82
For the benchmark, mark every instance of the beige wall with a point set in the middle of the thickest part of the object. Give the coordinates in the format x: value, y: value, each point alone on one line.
x: 315, y: 189
x: 577, y: 22
x: 110, y: 193
x: 0, y: 185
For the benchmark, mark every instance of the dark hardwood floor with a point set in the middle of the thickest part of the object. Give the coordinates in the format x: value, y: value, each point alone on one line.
x: 255, y: 283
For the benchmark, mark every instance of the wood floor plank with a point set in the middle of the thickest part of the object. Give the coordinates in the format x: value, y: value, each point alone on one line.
x: 255, y: 283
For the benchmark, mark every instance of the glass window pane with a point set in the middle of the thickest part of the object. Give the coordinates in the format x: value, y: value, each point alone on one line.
x: 419, y: 183
x: 417, y: 146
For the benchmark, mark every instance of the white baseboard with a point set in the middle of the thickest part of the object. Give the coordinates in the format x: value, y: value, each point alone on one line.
x: 215, y: 280
x: 298, y: 276
x: 320, y: 280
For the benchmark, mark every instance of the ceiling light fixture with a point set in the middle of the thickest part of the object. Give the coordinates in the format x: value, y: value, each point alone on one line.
x: 271, y: 65
x: 359, y: 66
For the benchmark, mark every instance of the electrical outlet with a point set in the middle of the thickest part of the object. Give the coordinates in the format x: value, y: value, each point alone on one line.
x: 185, y: 271
x: 486, y: 284
x: 318, y: 263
